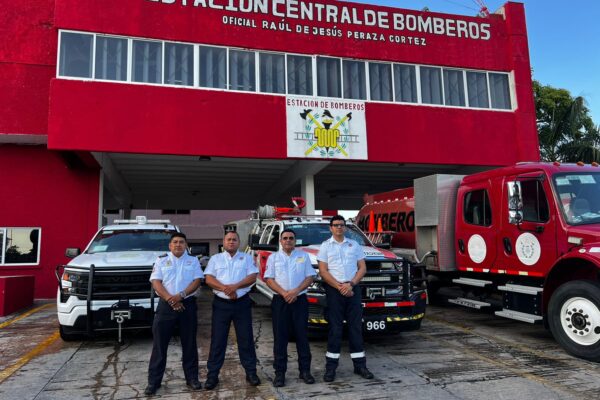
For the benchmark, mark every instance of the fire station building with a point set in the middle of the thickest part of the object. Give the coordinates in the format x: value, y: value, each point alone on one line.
x: 227, y: 104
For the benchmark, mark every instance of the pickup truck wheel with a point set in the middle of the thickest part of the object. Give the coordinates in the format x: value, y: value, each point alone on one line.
x: 574, y: 318
x: 66, y: 335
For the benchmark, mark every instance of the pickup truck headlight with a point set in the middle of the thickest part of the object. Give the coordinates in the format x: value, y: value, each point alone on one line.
x: 69, y: 281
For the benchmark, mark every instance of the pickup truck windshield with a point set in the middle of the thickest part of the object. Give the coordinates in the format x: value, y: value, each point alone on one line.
x: 307, y: 234
x: 130, y: 240
x: 579, y: 197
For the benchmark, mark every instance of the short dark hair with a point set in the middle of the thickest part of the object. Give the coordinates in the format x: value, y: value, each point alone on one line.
x: 234, y: 232
x: 178, y: 235
x: 337, y: 218
x: 289, y: 231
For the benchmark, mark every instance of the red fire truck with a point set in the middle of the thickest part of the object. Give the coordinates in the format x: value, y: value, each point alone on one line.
x: 523, y: 239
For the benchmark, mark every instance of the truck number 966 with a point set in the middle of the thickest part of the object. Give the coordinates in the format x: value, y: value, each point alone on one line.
x: 375, y: 326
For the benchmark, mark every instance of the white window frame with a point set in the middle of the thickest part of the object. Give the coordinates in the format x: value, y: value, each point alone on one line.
x: 196, y: 74
x: 197, y: 68
x: 259, y: 82
x: 129, y: 54
x: 3, y: 246
x: 312, y: 69
x: 366, y: 76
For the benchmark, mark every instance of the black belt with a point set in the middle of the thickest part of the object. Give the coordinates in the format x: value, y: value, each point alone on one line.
x: 231, y: 300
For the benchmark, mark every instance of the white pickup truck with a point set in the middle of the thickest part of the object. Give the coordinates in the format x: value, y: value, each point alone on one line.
x: 107, y: 286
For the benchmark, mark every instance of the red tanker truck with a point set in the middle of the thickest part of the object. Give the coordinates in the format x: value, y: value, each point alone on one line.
x: 524, y: 240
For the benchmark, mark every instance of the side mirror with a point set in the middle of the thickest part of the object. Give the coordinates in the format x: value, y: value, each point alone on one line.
x: 515, y: 205
x: 518, y: 218
x: 253, y: 239
x: 386, y: 241
x: 72, y: 252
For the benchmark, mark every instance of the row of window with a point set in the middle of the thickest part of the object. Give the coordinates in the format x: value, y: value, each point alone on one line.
x: 19, y: 246
x: 92, y: 56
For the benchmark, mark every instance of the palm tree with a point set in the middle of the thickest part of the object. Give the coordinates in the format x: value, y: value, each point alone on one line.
x: 566, y: 131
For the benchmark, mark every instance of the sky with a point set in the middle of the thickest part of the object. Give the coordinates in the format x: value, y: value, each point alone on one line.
x: 564, y: 40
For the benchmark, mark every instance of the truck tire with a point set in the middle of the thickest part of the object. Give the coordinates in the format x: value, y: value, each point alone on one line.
x: 67, y: 335
x: 574, y: 318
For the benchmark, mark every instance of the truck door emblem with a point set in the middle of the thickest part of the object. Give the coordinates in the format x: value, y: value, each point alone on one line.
x: 477, y: 249
x: 528, y: 248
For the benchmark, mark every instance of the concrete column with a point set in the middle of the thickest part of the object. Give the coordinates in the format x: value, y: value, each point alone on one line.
x: 307, y: 188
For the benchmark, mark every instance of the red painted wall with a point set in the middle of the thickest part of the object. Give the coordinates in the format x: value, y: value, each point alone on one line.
x: 40, y: 190
x: 226, y: 124
x: 152, y: 19
x: 27, y: 63
x: 146, y: 119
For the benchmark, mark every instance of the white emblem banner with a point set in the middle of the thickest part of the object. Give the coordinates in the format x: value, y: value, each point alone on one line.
x: 326, y: 128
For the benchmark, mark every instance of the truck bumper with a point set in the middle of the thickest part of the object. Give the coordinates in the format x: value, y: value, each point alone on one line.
x: 378, y: 317
x: 73, y: 314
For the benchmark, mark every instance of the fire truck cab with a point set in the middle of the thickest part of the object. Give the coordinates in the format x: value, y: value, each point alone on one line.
x: 523, y: 241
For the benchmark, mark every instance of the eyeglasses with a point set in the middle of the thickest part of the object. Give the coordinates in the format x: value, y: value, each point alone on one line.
x: 288, y: 238
x: 338, y: 225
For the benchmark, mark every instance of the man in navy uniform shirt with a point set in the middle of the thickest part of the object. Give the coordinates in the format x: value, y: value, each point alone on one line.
x: 342, y: 266
x: 289, y: 273
x: 175, y: 278
x: 231, y: 274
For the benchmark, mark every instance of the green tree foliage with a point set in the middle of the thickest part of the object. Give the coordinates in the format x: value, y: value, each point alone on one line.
x: 566, y: 130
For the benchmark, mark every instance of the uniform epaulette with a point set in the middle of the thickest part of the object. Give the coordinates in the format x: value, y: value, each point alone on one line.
x: 163, y: 255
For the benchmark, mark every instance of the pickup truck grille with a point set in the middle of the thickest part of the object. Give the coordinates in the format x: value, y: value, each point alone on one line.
x: 115, y: 284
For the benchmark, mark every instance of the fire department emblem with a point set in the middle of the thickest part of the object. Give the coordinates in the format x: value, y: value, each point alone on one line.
x: 528, y: 248
x: 326, y: 134
x: 326, y: 128
x: 477, y: 249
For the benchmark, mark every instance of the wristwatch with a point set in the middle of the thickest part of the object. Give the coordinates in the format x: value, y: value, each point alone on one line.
x: 182, y: 294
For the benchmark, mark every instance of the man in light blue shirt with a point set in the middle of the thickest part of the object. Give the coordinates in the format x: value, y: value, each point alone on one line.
x: 342, y: 266
x: 231, y: 275
x: 289, y: 273
x: 175, y: 278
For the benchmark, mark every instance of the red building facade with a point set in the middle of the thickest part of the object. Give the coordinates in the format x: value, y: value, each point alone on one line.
x: 220, y: 78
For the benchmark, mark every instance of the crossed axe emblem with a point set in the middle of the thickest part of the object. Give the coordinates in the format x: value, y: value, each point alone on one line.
x: 326, y: 125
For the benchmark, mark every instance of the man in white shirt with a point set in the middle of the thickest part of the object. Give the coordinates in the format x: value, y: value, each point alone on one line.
x: 231, y: 274
x: 175, y: 278
x: 289, y: 273
x: 342, y: 266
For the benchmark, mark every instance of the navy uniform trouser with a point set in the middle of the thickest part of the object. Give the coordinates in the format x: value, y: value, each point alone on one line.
x: 223, y: 313
x: 349, y: 309
x: 289, y: 318
x: 164, y: 324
